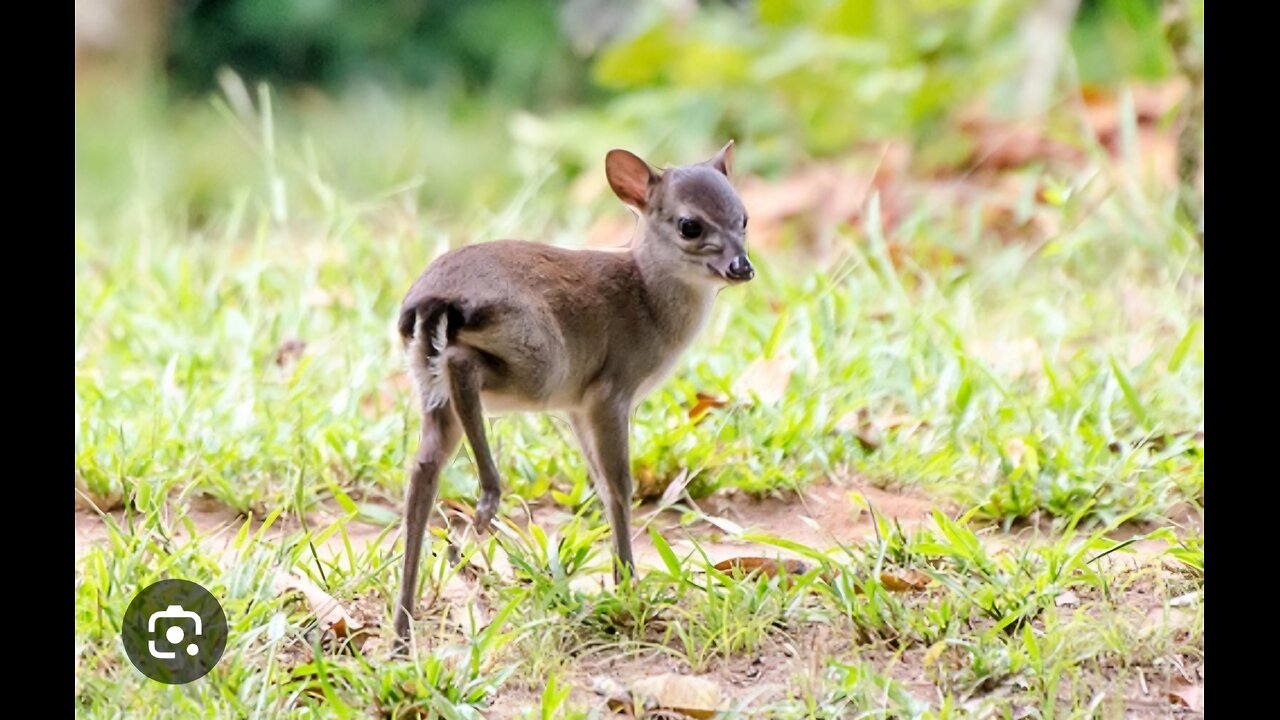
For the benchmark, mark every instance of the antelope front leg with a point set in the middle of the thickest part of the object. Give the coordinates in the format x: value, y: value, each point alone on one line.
x: 603, y: 430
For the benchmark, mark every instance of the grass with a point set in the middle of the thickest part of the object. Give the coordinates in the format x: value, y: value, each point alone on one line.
x: 1058, y: 382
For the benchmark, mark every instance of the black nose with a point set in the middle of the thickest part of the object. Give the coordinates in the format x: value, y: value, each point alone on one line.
x: 740, y: 268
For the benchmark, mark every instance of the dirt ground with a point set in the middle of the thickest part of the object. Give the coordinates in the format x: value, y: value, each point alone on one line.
x: 822, y: 516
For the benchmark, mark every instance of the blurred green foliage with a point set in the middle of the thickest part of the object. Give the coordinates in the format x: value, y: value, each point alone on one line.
x: 1115, y: 40
x: 415, y: 92
x: 829, y: 70
x: 511, y: 48
x: 823, y: 73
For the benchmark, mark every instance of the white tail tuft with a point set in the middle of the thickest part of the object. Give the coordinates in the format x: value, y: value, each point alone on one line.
x: 440, y: 338
x: 428, y: 370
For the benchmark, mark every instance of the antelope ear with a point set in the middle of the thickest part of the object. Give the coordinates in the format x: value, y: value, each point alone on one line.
x: 723, y: 160
x: 630, y: 177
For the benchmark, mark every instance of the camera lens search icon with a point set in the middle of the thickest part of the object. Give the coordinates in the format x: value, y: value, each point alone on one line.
x: 174, y: 631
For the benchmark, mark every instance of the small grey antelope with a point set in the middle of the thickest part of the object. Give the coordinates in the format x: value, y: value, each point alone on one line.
x: 518, y: 326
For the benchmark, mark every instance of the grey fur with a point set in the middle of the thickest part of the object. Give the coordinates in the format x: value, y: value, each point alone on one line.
x: 519, y: 326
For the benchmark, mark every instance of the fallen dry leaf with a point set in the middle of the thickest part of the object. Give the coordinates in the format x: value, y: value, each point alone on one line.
x: 1188, y: 696
x: 767, y: 566
x: 859, y: 425
x: 766, y: 380
x: 904, y: 581
x: 868, y: 431
x: 693, y: 696
x: 725, y: 524
x: 705, y: 403
x: 330, y: 614
x: 896, y: 581
x: 677, y: 486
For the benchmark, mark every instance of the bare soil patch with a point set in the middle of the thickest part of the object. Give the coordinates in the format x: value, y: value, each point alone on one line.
x: 823, y: 516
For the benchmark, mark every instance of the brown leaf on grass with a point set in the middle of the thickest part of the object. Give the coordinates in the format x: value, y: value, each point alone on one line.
x: 675, y: 488
x: 723, y: 524
x: 904, y: 581
x: 896, y: 581
x: 1190, y: 696
x: 869, y: 431
x: 703, y: 405
x: 766, y: 380
x: 330, y: 614
x: 858, y: 424
x: 767, y: 566
x: 693, y: 696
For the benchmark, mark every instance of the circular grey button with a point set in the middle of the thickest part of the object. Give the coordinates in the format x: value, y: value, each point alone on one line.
x: 174, y: 631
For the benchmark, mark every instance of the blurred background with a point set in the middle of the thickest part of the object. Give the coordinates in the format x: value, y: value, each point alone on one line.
x: 467, y: 100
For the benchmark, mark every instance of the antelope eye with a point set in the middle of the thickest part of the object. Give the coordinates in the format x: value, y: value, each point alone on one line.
x: 690, y: 229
